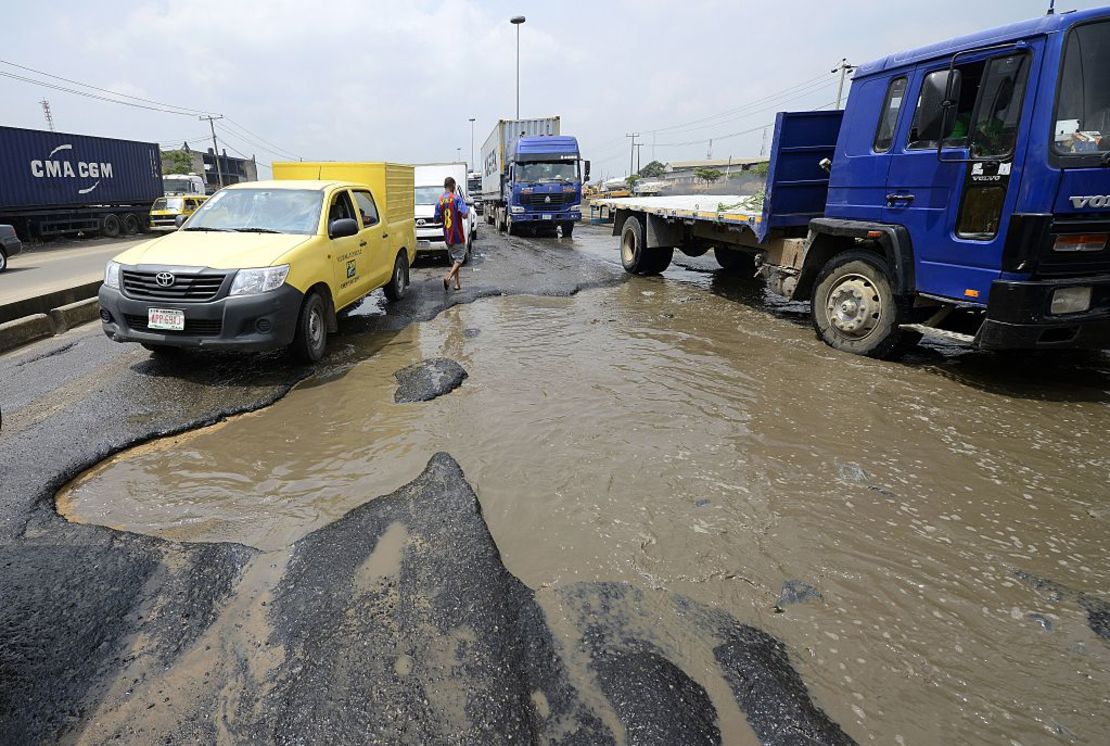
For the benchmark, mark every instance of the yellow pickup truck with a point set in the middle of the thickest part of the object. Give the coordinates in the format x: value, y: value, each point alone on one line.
x: 267, y: 264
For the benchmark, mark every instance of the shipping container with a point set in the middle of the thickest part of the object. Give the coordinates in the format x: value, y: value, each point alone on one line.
x: 500, y: 143
x: 56, y: 182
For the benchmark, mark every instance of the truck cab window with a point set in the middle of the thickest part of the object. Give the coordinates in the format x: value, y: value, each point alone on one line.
x: 340, y: 208
x: 931, y: 121
x: 994, y: 130
x: 367, y: 210
x: 888, y: 118
x: 1081, y: 127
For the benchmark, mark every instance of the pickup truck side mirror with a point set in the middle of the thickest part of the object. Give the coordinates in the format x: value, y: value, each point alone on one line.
x: 342, y: 228
x: 180, y: 220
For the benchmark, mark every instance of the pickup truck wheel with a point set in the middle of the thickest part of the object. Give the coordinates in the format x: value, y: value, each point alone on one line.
x: 130, y: 224
x: 399, y: 282
x: 732, y: 260
x: 312, y: 330
x: 854, y: 308
x: 110, y: 226
x: 638, y: 259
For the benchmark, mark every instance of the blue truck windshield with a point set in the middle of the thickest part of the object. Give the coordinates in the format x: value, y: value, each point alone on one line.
x: 265, y: 210
x: 557, y: 171
x: 1082, y: 122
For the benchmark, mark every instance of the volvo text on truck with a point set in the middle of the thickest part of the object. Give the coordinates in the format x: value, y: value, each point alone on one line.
x: 964, y: 192
x: 532, y: 177
x: 53, y: 183
x: 267, y: 264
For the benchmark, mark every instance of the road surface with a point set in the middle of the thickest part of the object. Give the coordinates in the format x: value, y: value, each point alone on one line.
x: 45, y: 269
x: 653, y: 510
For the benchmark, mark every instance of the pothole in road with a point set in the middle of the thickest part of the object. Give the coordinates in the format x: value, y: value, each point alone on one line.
x: 680, y: 441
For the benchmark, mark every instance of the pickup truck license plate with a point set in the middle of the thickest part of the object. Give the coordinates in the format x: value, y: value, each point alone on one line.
x: 547, y: 216
x: 165, y: 318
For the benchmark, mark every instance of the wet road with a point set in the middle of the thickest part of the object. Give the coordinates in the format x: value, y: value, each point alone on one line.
x: 676, y: 468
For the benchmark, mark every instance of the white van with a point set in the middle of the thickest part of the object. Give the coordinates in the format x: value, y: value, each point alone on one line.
x: 429, y: 187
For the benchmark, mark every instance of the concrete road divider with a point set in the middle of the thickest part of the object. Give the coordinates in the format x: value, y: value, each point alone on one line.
x: 74, y: 314
x: 24, y: 330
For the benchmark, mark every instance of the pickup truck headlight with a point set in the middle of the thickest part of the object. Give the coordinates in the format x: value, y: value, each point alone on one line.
x: 262, y: 280
x: 516, y: 209
x: 111, y: 275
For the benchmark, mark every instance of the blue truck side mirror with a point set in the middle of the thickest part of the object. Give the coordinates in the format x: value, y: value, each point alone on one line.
x: 587, y: 171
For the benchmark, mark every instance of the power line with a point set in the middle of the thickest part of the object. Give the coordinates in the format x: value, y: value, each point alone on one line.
x: 274, y: 148
x: 183, y: 109
x: 86, y: 94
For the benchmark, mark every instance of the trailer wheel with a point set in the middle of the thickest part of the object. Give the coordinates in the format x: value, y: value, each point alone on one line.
x: 130, y: 224
x: 3, y: 260
x: 110, y: 226
x: 500, y: 218
x: 854, y: 307
x: 732, y: 260
x: 638, y: 259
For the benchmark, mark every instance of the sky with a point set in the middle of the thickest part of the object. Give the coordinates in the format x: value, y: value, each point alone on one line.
x: 370, y: 80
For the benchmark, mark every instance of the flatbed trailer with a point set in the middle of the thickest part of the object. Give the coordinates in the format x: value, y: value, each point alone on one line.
x: 963, y: 193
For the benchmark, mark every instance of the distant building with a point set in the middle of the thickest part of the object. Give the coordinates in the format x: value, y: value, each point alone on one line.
x: 682, y: 173
x: 234, y: 170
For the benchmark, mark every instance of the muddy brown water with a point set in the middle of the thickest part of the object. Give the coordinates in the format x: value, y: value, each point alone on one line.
x: 662, y: 435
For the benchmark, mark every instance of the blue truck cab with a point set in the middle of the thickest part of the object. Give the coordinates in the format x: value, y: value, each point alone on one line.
x: 964, y: 192
x: 544, y: 188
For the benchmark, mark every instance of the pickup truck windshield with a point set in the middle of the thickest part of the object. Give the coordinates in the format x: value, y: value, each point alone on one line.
x: 557, y: 171
x: 262, y: 210
x: 428, y: 195
x: 1082, y: 123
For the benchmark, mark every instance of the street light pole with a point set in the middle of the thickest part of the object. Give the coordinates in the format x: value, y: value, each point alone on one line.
x: 472, y: 164
x: 517, y: 21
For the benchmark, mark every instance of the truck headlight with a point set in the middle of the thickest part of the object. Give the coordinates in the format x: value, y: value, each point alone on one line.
x: 1071, y: 300
x: 111, y: 275
x: 516, y: 209
x: 262, y: 280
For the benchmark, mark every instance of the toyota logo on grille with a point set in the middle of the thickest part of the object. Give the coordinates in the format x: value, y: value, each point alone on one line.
x: 420, y: 221
x: 165, y: 279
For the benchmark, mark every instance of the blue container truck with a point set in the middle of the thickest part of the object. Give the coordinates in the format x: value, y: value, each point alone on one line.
x: 54, y: 183
x: 964, y: 193
x: 532, y: 177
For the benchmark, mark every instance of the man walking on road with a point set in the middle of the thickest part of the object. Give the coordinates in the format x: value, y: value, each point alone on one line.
x: 452, y: 209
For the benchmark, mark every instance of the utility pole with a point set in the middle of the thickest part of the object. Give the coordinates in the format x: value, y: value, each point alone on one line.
x: 458, y: 154
x: 215, y: 148
x: 763, y: 147
x: 653, y: 145
x: 709, y: 150
x: 517, y: 21
x: 473, y: 165
x: 638, y: 146
x: 843, y: 68
x: 632, y: 151
x: 46, y: 113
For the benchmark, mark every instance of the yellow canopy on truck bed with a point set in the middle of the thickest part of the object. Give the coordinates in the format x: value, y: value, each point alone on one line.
x: 393, y: 182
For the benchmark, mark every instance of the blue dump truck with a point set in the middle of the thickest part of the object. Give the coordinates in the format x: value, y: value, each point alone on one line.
x: 964, y: 192
x: 532, y: 177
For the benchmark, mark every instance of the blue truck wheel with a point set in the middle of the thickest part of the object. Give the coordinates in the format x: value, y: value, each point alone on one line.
x: 854, y: 307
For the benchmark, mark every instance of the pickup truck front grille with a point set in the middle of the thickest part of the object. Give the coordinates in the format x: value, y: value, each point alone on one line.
x: 198, y: 327
x: 539, y: 201
x: 185, y: 286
